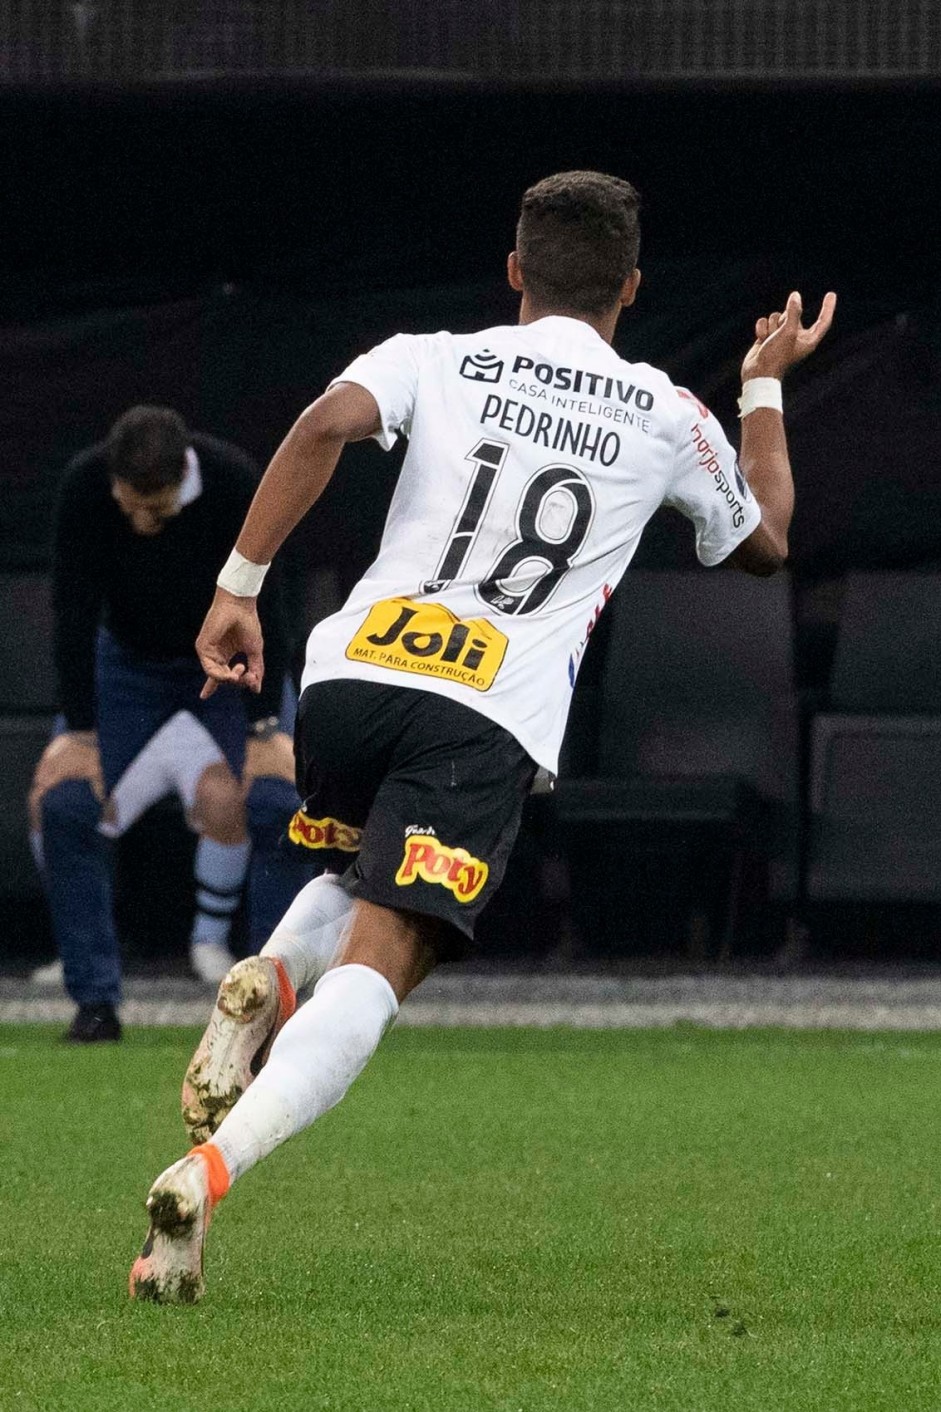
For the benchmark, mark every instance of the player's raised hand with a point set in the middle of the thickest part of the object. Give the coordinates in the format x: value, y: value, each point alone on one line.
x: 781, y: 340
x: 231, y: 629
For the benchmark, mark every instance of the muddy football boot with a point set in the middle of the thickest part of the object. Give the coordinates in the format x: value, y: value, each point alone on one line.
x: 254, y: 1001
x: 169, y: 1270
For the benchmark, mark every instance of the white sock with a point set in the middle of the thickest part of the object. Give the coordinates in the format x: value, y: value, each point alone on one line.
x: 318, y: 1054
x: 220, y: 870
x: 305, y: 941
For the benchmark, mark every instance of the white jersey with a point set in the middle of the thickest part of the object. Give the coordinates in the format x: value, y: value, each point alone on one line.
x: 536, y: 456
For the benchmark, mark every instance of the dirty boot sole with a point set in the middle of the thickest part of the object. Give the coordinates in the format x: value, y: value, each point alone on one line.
x: 169, y: 1269
x: 250, y: 1009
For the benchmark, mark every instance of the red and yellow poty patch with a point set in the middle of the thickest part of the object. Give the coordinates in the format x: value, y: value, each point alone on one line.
x: 323, y: 833
x: 432, y: 861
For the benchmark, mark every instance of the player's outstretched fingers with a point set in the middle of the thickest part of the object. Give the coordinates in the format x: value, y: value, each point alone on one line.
x: 823, y: 321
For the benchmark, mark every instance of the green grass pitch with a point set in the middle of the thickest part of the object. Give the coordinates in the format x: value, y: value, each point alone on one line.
x: 536, y: 1220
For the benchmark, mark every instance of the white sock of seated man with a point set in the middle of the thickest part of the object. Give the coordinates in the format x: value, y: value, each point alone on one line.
x: 318, y: 1054
x: 306, y: 939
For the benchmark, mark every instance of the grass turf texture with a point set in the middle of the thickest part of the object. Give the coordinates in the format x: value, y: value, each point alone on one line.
x: 681, y: 1220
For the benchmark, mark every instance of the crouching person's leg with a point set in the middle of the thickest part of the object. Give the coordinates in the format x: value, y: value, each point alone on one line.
x: 77, y: 874
x: 221, y: 863
x: 278, y: 870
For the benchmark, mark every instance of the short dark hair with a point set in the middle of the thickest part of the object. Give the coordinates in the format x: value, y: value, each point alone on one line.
x: 577, y: 240
x: 146, y: 447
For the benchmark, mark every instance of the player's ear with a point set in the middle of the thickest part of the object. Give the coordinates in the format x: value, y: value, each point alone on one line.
x: 629, y: 289
x: 513, y: 272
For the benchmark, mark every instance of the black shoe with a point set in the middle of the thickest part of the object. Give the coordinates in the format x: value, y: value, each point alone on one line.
x: 93, y: 1024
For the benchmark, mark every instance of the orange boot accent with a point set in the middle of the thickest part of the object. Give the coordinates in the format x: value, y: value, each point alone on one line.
x: 219, y: 1180
x: 286, y: 993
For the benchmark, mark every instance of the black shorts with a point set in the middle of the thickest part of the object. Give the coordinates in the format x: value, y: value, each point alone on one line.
x: 422, y: 795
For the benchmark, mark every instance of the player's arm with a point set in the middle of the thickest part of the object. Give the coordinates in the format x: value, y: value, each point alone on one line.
x: 781, y: 341
x: 299, y: 472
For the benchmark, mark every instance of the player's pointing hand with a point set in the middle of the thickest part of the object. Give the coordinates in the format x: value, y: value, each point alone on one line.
x: 231, y: 630
x: 781, y: 340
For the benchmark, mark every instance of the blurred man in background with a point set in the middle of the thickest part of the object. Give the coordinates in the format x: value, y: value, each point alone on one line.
x: 145, y: 520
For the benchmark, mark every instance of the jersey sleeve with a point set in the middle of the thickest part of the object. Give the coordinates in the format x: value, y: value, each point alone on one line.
x: 390, y: 372
x: 707, y: 484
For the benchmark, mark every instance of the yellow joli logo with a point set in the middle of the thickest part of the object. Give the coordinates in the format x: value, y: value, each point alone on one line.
x: 431, y: 641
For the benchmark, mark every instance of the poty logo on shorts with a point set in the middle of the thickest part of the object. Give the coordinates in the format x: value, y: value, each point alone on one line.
x: 433, y: 862
x: 323, y: 833
x: 482, y: 367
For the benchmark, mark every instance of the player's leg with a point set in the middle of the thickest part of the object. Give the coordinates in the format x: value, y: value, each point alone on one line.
x: 468, y: 794
x: 256, y: 997
x: 258, y: 994
x: 465, y: 780
x: 322, y: 1048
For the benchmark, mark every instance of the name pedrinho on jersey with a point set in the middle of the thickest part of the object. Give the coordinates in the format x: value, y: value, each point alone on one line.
x: 536, y: 456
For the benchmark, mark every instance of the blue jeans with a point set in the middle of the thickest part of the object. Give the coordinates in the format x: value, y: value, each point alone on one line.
x: 135, y: 698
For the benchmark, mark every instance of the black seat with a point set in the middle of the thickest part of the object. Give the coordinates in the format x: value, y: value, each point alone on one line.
x: 875, y: 787
x: 698, y: 722
x: 22, y: 741
x: 27, y: 673
x: 27, y: 703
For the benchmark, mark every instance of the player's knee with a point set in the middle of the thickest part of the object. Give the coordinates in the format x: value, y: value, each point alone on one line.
x: 70, y: 804
x: 218, y: 809
x: 270, y: 803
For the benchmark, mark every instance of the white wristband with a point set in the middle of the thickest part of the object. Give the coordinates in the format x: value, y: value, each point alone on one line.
x: 760, y: 392
x: 241, y: 577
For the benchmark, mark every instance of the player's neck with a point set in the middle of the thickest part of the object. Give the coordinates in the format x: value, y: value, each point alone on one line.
x: 603, y: 324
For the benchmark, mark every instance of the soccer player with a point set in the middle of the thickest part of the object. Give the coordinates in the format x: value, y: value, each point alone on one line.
x: 144, y: 519
x: 535, y: 458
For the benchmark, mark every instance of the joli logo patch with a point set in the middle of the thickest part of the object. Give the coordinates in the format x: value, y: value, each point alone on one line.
x: 428, y: 639
x: 454, y: 868
x: 323, y: 833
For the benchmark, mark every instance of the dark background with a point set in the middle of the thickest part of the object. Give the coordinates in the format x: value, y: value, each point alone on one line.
x: 226, y: 245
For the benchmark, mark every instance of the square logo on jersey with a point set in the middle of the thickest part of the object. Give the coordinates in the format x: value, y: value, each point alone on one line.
x: 482, y: 367
x: 430, y: 641
x: 431, y: 861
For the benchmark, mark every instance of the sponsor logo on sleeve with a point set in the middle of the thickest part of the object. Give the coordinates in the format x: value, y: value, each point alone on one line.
x: 709, y: 461
x: 432, y: 862
x: 323, y: 833
x: 429, y: 640
x: 482, y: 367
